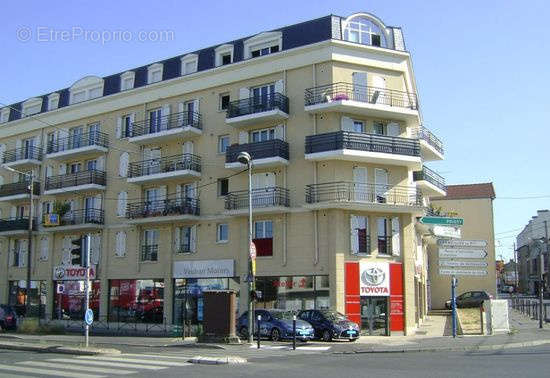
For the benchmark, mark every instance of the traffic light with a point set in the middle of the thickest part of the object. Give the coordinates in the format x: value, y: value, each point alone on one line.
x: 78, y: 251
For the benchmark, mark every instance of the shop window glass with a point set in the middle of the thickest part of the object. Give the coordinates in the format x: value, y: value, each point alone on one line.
x: 140, y: 301
x: 293, y: 293
x: 71, y: 303
x: 18, y: 295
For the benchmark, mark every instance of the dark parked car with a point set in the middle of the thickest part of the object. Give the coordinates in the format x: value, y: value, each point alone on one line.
x: 276, y: 325
x: 330, y: 324
x: 470, y: 299
x: 8, y: 318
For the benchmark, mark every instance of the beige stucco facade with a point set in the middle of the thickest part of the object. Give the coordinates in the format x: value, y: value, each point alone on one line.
x: 308, y: 238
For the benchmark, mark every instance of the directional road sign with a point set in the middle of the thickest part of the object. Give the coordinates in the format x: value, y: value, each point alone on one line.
x: 462, y: 272
x: 463, y: 264
x: 462, y: 243
x: 446, y: 221
x: 454, y: 253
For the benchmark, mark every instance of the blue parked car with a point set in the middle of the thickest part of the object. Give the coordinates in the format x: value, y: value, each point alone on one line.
x: 330, y: 324
x: 276, y: 325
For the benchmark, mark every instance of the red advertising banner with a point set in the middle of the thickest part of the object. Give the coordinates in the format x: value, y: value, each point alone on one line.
x: 353, y: 299
x: 397, y: 314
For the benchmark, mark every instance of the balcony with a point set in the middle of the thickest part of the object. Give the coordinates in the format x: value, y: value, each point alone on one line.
x: 268, y: 153
x: 430, y: 146
x: 87, y: 144
x: 84, y: 219
x: 264, y: 201
x: 360, y: 147
x: 362, y: 100
x: 366, y: 197
x: 167, y: 210
x: 15, y: 226
x: 23, y: 157
x: 75, y: 182
x: 149, y: 252
x: 167, y: 168
x: 178, y: 125
x: 17, y: 191
x: 432, y: 184
x: 273, y: 107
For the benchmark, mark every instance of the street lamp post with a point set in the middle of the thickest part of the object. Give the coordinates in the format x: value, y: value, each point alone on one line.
x: 245, y: 158
x: 30, y: 176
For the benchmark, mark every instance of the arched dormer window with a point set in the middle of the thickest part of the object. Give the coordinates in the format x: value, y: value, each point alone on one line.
x: 32, y: 106
x: 86, y: 88
x: 365, y: 29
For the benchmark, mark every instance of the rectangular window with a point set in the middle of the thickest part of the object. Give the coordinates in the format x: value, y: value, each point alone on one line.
x: 130, y: 300
x: 294, y: 293
x: 37, y: 295
x: 222, y: 233
x: 223, y: 143
x: 358, y: 126
x: 75, y: 137
x: 185, y: 239
x: 155, y: 76
x: 383, y: 226
x: 190, y: 67
x: 226, y: 59
x: 263, y: 135
x: 375, y: 39
x: 360, y: 238
x: 149, y: 249
x: 261, y: 95
x: 224, y: 101
x: 223, y: 187
x: 378, y: 128
x: 126, y: 126
x: 263, y: 238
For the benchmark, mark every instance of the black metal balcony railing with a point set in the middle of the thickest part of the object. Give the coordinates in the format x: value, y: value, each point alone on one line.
x: 430, y: 176
x: 258, y: 150
x: 93, y: 176
x: 261, y: 198
x: 184, y: 248
x: 257, y: 105
x: 164, y: 165
x: 149, y: 252
x: 169, y: 122
x: 361, y: 142
x: 423, y: 133
x: 21, y: 187
x: 165, y: 207
x: 83, y: 216
x: 24, y: 153
x: 361, y: 93
x: 16, y: 224
x: 92, y: 138
x: 343, y: 191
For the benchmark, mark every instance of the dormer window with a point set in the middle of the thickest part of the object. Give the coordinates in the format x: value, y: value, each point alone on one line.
x: 263, y: 44
x: 224, y: 55
x: 154, y: 73
x: 53, y: 101
x: 87, y: 88
x: 32, y: 106
x: 365, y: 29
x: 127, y: 80
x: 189, y: 64
x: 5, y: 115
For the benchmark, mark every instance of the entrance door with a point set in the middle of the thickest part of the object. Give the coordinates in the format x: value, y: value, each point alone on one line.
x: 374, y: 316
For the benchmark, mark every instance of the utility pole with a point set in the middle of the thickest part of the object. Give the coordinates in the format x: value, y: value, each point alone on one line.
x: 546, y: 249
x: 87, y: 305
x: 30, y: 176
x: 516, y: 279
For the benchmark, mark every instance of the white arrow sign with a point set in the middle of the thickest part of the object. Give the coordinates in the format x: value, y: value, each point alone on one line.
x: 463, y: 264
x: 462, y: 272
x: 462, y: 243
x: 452, y: 253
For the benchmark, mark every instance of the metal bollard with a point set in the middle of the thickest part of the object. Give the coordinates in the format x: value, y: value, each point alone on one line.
x: 258, y: 327
x: 294, y: 332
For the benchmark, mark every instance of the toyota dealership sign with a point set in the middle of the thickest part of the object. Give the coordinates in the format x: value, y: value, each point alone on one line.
x: 374, y: 279
x: 72, y: 273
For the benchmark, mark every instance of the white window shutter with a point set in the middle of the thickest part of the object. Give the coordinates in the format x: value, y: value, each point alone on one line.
x: 13, y: 212
x: 162, y: 192
x: 178, y: 194
x: 101, y: 163
x: 188, y: 147
x: 37, y: 141
x: 394, y: 129
x: 23, y: 252
x: 1, y: 180
x: 132, y: 120
x: 97, y: 202
x: 177, y: 239
x: 196, y: 104
x: 62, y: 169
x: 120, y: 244
x: 2, y: 151
x: 280, y: 132
x: 354, y: 234
x: 280, y: 86
x: 44, y: 248
x: 243, y: 137
x: 182, y: 119
x: 119, y: 127
x: 165, y: 115
x: 49, y: 171
x: 95, y: 249
x: 18, y: 144
x: 395, y: 239
x: 193, y: 242
x: 360, y: 86
x: 66, y: 249
x: 244, y: 93
x: 123, y: 164
x: 347, y: 123
x: 121, y: 204
x: 11, y: 253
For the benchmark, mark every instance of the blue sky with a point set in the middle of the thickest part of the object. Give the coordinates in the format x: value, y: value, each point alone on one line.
x: 481, y: 68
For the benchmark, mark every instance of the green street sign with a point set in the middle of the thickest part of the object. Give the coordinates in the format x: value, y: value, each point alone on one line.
x: 442, y: 221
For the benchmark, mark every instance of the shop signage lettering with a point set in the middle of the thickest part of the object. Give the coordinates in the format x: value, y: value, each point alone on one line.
x: 289, y: 284
x: 374, y: 279
x: 72, y: 273
x: 204, y: 269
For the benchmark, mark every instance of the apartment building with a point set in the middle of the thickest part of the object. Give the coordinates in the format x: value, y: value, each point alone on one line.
x: 146, y: 162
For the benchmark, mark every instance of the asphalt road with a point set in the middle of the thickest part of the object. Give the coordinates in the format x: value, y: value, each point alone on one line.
x: 526, y: 362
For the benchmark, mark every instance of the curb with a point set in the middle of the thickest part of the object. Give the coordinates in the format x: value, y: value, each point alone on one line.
x: 230, y: 360
x: 473, y: 348
x: 58, y: 349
